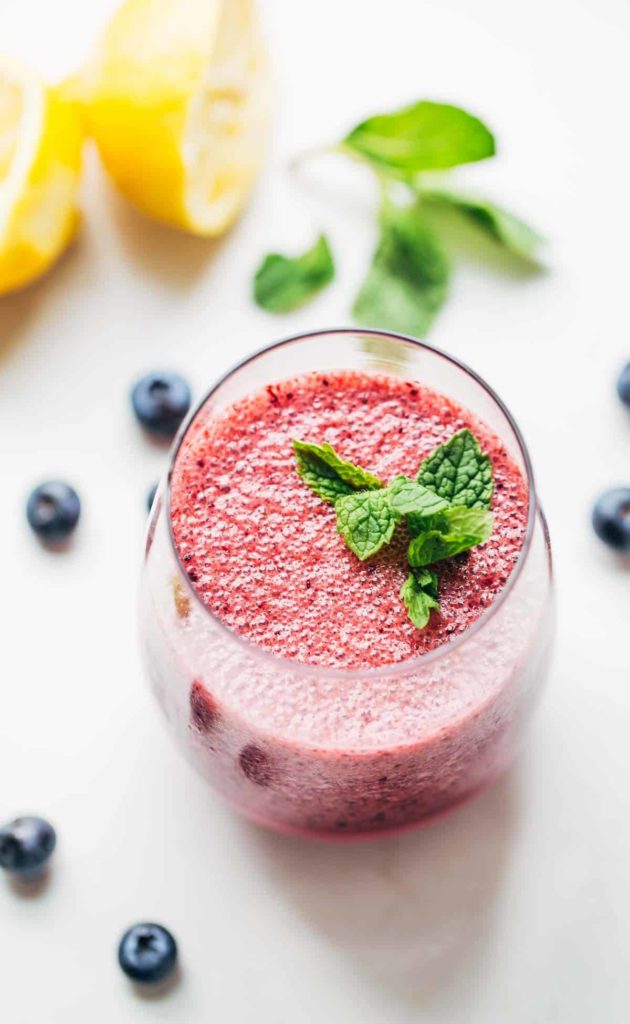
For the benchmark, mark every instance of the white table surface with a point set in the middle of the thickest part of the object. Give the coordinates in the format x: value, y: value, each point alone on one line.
x: 515, y: 909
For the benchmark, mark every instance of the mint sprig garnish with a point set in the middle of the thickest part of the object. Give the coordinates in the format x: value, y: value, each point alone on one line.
x: 410, y: 151
x: 409, y: 497
x: 419, y: 594
x: 366, y: 521
x: 459, y: 471
x: 328, y: 475
x: 449, y: 534
x: 446, y: 509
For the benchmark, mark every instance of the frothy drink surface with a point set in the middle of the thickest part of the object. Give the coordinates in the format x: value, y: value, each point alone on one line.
x: 262, y: 550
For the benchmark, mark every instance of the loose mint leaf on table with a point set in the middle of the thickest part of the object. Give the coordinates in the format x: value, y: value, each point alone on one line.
x: 408, y: 280
x: 425, y: 136
x: 366, y: 522
x: 419, y: 595
x: 283, y: 283
x: 330, y: 476
x: 504, y: 227
x: 452, y: 532
x: 459, y: 472
x: 409, y: 497
x: 407, y: 283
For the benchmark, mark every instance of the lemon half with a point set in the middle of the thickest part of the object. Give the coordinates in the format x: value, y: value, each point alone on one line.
x: 177, y: 98
x: 40, y: 165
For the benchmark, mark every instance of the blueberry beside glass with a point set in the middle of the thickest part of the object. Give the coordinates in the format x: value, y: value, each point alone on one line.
x: 160, y: 402
x: 26, y: 846
x: 53, y: 510
x: 147, y: 953
x: 623, y: 385
x: 151, y: 495
x: 611, y: 519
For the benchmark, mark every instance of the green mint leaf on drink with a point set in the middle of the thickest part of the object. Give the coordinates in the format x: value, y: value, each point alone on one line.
x: 408, y: 280
x: 425, y: 136
x: 497, y: 222
x: 408, y: 497
x: 284, y: 283
x: 459, y: 472
x: 419, y: 595
x: 366, y: 522
x: 330, y: 476
x: 452, y: 533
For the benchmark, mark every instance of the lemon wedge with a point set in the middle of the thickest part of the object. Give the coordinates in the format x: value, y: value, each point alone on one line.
x: 40, y: 165
x: 177, y: 98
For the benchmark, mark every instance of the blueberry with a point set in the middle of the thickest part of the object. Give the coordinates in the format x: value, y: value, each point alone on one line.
x: 151, y: 495
x: 255, y: 765
x: 147, y: 953
x: 204, y: 711
x: 611, y: 519
x: 160, y: 401
x: 26, y: 845
x: 623, y: 385
x: 53, y: 511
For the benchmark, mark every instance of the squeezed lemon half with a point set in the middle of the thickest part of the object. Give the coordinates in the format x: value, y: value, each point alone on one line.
x: 177, y: 101
x: 41, y: 139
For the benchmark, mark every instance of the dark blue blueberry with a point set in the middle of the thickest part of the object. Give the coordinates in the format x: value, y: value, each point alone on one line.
x: 204, y: 710
x: 623, y: 385
x: 151, y: 495
x: 160, y: 401
x: 611, y: 519
x: 53, y: 511
x: 147, y: 953
x: 26, y: 845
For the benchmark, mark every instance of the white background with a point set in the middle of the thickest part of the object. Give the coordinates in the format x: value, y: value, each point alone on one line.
x: 517, y: 908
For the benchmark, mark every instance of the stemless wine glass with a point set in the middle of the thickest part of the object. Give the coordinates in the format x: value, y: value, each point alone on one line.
x: 241, y: 714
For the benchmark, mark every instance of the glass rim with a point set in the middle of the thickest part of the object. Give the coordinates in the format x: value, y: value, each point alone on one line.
x: 395, y: 668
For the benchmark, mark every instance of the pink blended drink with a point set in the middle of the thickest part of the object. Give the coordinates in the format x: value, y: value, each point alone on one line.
x: 290, y: 669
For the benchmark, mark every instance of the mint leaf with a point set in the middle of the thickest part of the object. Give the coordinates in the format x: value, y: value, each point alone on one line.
x: 408, y: 280
x: 421, y: 137
x: 464, y: 521
x: 330, y: 476
x: 366, y: 522
x: 459, y: 471
x: 504, y: 227
x: 452, y: 532
x: 407, y: 497
x: 283, y: 283
x: 419, y: 594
